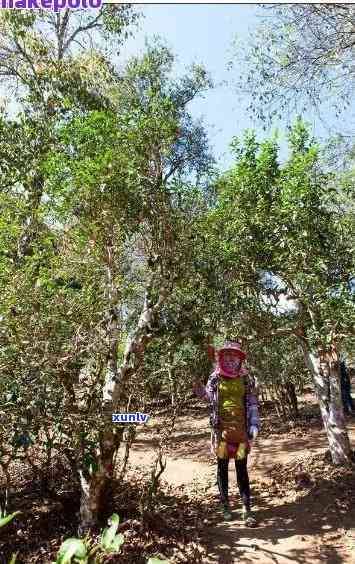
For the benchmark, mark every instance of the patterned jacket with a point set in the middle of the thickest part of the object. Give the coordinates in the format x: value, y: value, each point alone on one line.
x: 210, y: 393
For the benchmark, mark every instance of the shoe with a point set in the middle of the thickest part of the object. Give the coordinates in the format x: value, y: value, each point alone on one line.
x: 227, y: 515
x: 248, y: 518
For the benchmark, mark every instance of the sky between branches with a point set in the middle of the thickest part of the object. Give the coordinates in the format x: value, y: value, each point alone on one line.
x: 204, y: 33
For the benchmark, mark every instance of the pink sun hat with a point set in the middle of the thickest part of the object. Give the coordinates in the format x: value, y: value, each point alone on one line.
x: 233, y: 346
x: 230, y: 346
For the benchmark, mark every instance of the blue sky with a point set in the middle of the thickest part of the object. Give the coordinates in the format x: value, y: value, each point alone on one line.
x: 203, y: 33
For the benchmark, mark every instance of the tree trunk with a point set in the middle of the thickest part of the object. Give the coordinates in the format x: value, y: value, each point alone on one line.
x: 171, y: 376
x: 129, y: 438
x: 291, y: 398
x: 94, y: 485
x: 324, y: 367
x: 115, y: 385
x: 91, y: 500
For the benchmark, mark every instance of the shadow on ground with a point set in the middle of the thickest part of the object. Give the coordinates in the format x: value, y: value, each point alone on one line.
x: 306, y: 530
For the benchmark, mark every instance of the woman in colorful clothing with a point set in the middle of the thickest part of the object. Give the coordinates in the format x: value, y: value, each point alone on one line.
x: 231, y: 392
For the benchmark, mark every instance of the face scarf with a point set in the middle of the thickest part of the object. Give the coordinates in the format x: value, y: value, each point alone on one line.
x: 230, y: 363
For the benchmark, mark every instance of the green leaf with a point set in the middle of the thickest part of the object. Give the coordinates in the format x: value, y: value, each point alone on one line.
x: 157, y: 561
x: 115, y: 544
x: 108, y: 535
x: 69, y: 548
x: 5, y: 520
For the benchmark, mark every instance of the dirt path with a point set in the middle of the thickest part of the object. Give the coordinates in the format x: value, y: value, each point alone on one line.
x: 291, y: 529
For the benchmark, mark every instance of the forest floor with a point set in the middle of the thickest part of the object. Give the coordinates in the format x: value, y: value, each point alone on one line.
x: 305, y: 506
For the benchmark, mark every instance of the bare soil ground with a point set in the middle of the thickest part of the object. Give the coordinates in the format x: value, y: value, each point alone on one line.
x: 304, y: 505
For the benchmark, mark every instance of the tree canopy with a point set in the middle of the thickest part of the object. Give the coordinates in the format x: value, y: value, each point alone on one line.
x: 301, y: 57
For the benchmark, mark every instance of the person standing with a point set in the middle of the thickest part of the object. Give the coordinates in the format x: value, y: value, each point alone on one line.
x: 345, y: 385
x: 234, y: 419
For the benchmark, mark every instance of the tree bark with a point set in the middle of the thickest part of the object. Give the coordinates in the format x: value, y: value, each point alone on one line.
x: 291, y: 398
x: 114, y: 389
x: 93, y: 487
x: 94, y: 484
x: 324, y: 367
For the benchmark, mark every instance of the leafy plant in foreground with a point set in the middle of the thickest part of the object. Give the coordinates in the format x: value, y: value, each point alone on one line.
x: 84, y: 551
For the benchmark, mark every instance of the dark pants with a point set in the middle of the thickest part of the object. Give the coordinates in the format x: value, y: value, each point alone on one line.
x: 242, y: 479
x: 348, y: 404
